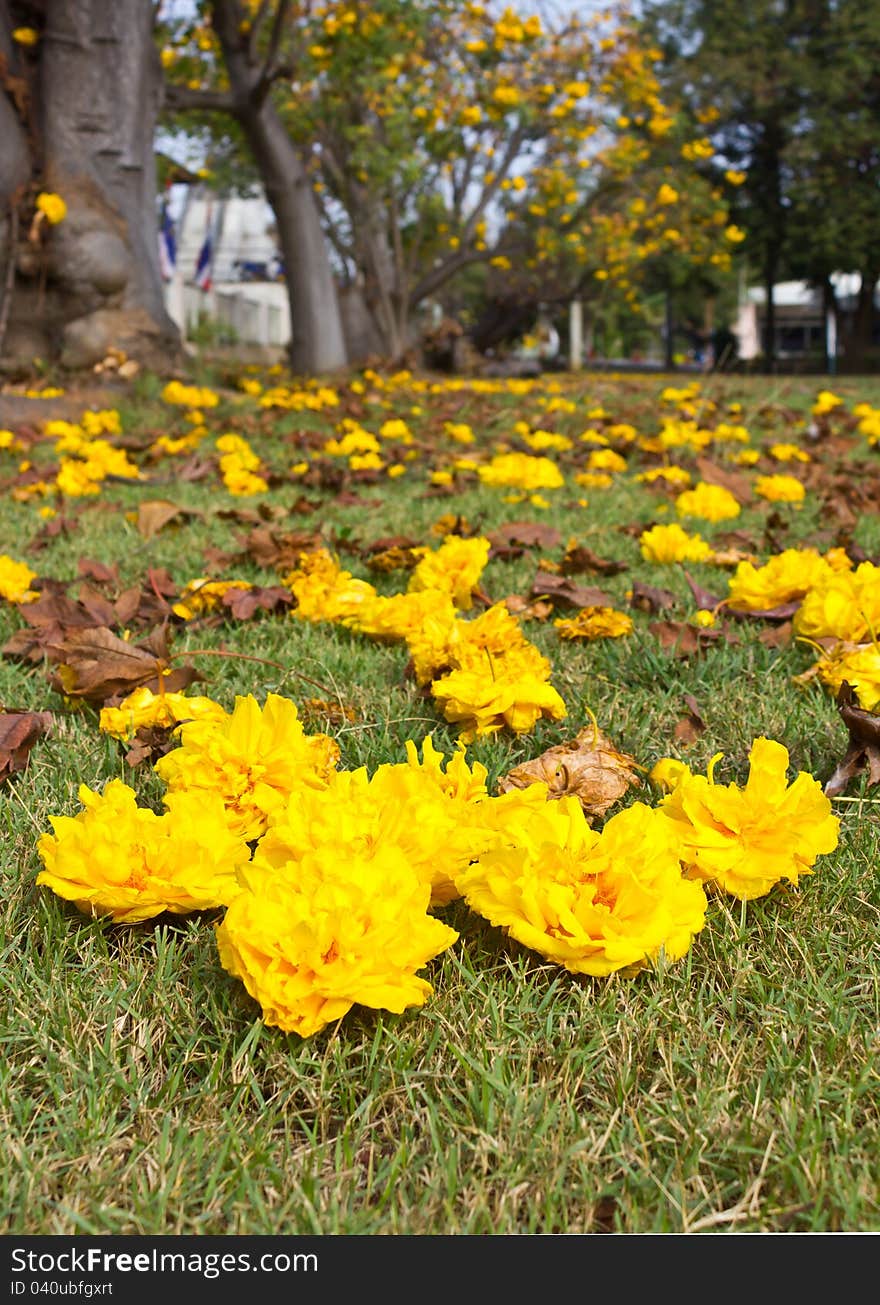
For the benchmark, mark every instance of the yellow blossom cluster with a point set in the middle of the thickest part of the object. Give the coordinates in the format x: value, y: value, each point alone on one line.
x: 253, y: 758
x: 189, y: 396
x: 484, y: 674
x: 15, y: 581
x: 594, y: 623
x: 673, y: 544
x: 143, y: 708
x: 710, y: 502
x: 730, y: 835
x: 239, y: 466
x: 118, y: 859
x: 521, y: 471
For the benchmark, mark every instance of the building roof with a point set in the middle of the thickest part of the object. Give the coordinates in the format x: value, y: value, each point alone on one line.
x: 800, y: 294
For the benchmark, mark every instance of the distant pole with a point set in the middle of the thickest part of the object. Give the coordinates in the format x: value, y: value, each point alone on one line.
x: 831, y: 338
x: 668, y: 332
x: 575, y: 335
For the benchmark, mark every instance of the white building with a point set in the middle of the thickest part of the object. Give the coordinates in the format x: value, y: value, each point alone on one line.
x: 802, y: 326
x: 245, y: 290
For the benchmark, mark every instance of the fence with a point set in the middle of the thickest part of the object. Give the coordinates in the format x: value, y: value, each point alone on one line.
x: 253, y: 312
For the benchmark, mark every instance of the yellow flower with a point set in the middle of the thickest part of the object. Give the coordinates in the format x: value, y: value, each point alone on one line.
x: 787, y: 576
x: 606, y: 460
x: 143, y: 708
x: 670, y: 475
x: 53, y: 206
x: 842, y: 605
x: 711, y: 502
x: 780, y: 489
x: 254, y: 758
x: 28, y: 36
x: 594, y: 479
x: 667, y: 194
x: 324, y: 592
x: 118, y: 859
x: 673, y: 544
x: 826, y: 401
x: 189, y: 396
x: 667, y: 772
x: 203, y: 595
x: 745, y: 840
x: 595, y: 623
x: 734, y: 234
x: 454, y: 568
x: 483, y: 702
x: 416, y: 807
x: 332, y: 912
x: 522, y: 471
x: 15, y: 579
x: 591, y: 902
x: 788, y: 453
x: 856, y: 664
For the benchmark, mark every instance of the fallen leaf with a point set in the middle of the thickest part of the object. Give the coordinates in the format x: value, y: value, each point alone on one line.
x: 278, y: 550
x: 863, y: 752
x: 96, y: 665
x: 579, y: 559
x: 243, y: 603
x: 526, y: 611
x: 777, y: 636
x: 646, y: 598
x: 156, y: 513
x: 737, y: 482
x: 564, y: 593
x: 524, y: 534
x: 682, y: 638
x: 19, y: 731
x: 91, y: 569
x: 588, y: 767
x: 691, y: 726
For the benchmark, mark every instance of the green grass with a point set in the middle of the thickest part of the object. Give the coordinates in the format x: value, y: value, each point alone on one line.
x: 733, y: 1091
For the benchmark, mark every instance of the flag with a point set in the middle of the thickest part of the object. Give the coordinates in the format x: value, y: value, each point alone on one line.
x: 204, y: 264
x: 167, y: 245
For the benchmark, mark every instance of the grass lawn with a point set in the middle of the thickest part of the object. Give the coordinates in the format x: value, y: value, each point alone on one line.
x: 733, y: 1089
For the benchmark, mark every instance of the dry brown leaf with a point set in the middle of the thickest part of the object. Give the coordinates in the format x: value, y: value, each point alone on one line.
x: 563, y: 592
x: 156, y: 513
x: 579, y: 559
x: 737, y: 482
x: 97, y: 665
x: 243, y: 603
x: 588, y: 767
x: 524, y: 534
x: 683, y: 639
x: 526, y: 611
x: 863, y: 752
x: 19, y: 731
x: 647, y: 598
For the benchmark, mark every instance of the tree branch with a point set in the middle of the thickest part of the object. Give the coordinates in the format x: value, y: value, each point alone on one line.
x: 272, y: 69
x: 253, y: 34
x: 182, y: 98
x: 438, y: 276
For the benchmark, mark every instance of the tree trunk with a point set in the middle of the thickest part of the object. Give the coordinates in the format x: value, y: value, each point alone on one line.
x: 861, y: 334
x: 770, y: 314
x: 318, y: 340
x: 86, y: 128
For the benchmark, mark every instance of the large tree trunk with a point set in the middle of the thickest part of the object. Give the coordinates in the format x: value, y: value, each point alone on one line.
x: 318, y: 340
x: 85, y: 130
x: 860, y: 339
